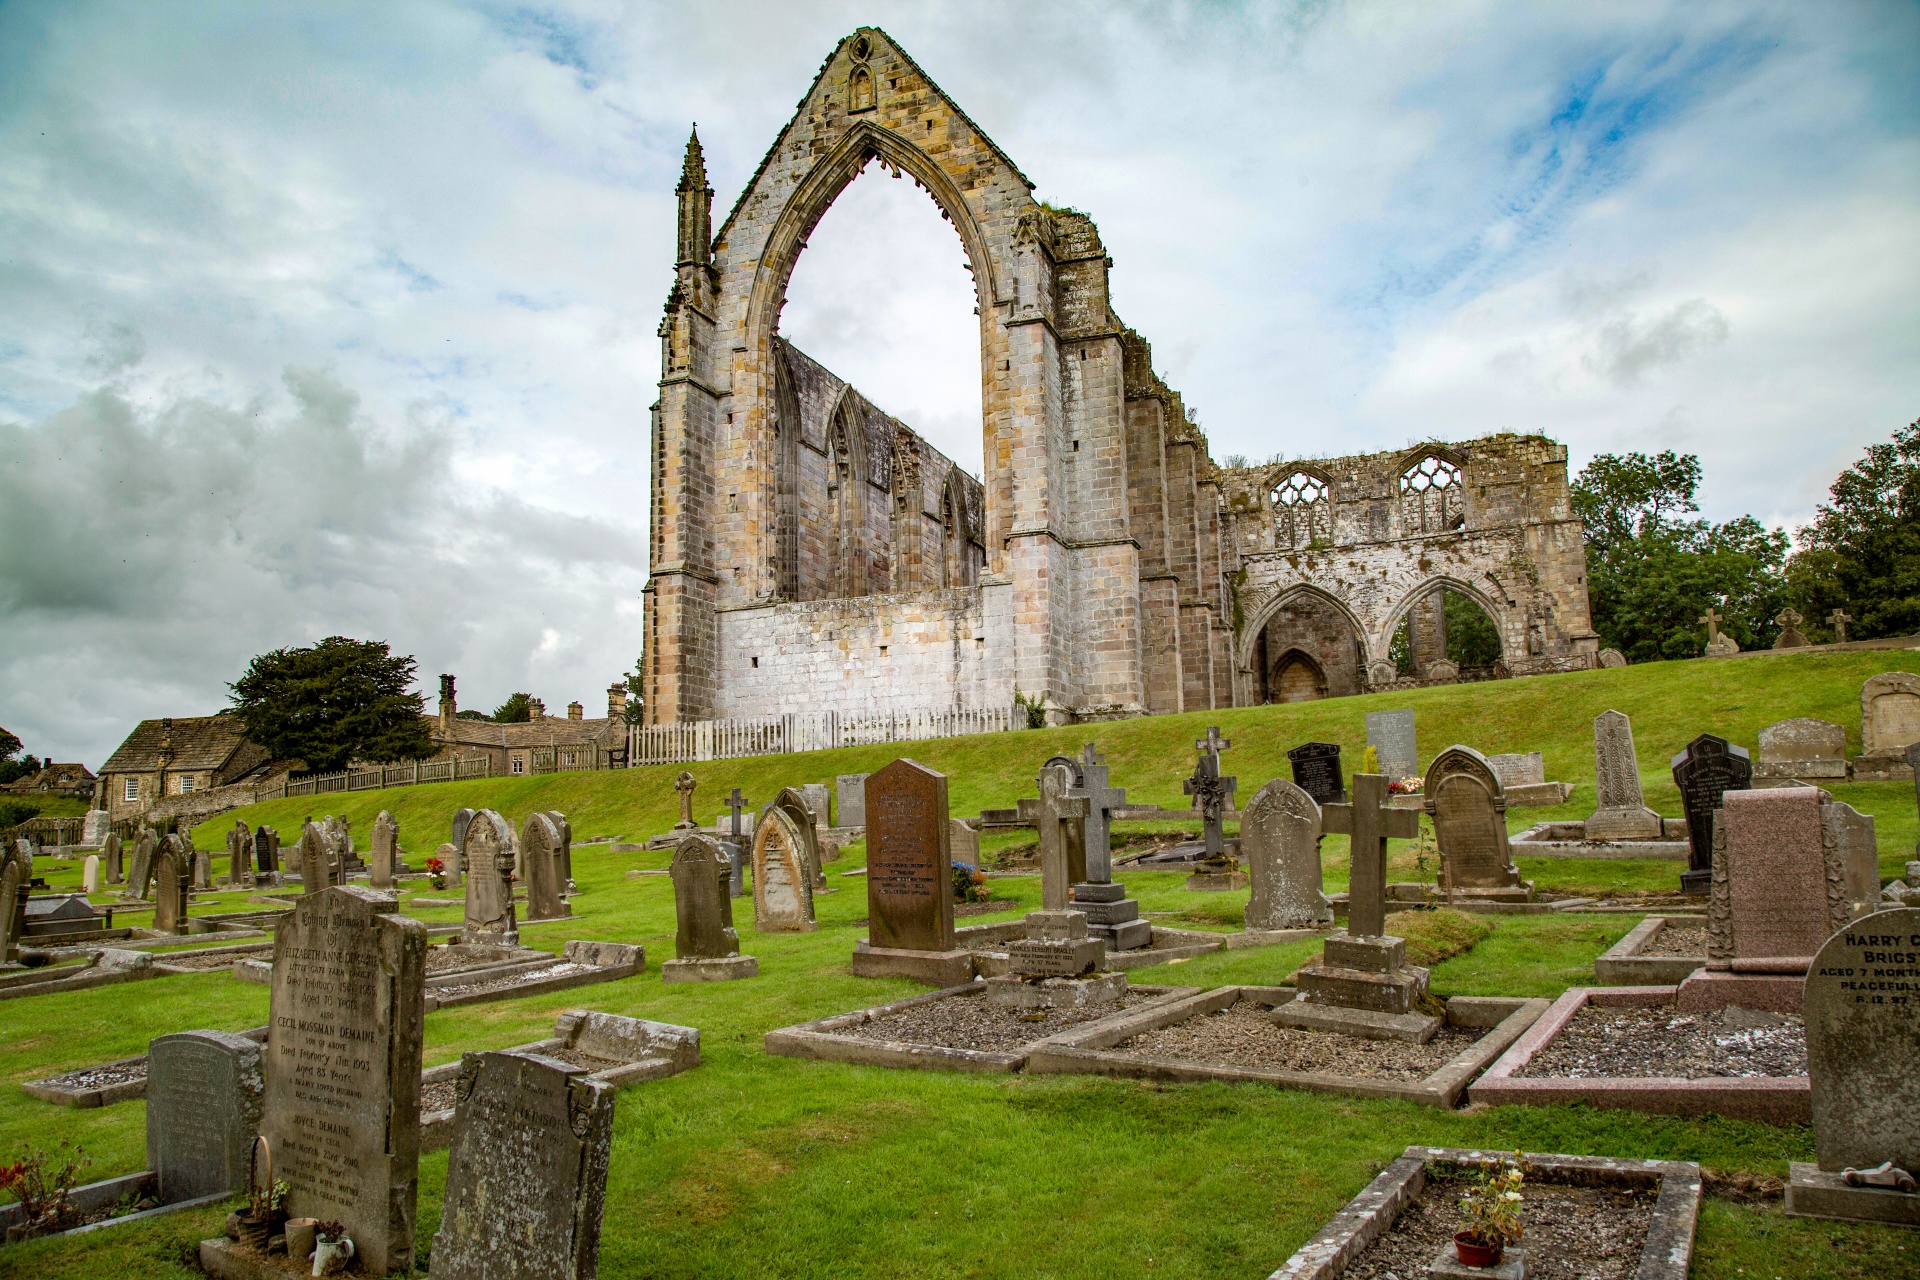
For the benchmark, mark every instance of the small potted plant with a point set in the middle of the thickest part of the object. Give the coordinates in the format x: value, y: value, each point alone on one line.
x: 265, y: 1196
x: 1490, y: 1216
x: 332, y: 1250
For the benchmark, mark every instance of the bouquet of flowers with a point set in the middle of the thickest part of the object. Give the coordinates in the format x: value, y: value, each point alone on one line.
x: 437, y: 872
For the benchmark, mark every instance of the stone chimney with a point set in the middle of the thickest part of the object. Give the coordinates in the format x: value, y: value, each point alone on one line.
x: 536, y: 709
x: 575, y: 711
x: 447, y: 708
x: 617, y: 700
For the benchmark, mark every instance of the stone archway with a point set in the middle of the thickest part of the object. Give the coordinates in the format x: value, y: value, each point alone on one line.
x: 1296, y: 677
x: 1422, y: 610
x: 1305, y: 644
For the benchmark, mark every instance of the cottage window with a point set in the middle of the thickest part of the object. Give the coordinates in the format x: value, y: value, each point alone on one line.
x: 186, y: 783
x: 518, y: 765
x: 131, y: 791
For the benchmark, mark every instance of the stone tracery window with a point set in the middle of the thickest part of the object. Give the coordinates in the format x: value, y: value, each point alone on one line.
x: 1301, y: 512
x: 1432, y: 499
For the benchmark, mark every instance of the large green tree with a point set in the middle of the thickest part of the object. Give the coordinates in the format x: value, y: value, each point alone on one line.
x: 334, y: 702
x: 517, y: 709
x: 1652, y: 573
x: 1862, y: 551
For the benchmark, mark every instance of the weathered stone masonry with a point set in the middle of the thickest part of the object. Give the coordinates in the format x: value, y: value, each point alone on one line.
x: 809, y: 552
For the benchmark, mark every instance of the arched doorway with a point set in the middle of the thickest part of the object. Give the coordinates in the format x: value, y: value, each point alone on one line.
x: 1296, y: 678
x: 1447, y: 624
x: 1307, y: 648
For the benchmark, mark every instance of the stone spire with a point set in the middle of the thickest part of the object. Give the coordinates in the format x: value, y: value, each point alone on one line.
x: 696, y: 207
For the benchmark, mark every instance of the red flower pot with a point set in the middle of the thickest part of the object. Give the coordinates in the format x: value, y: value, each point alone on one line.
x: 1475, y: 1252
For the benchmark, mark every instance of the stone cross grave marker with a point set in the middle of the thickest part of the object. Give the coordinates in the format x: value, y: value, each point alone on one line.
x: 703, y: 906
x: 1102, y: 800
x: 685, y: 784
x: 141, y: 873
x: 203, y: 1109
x: 1790, y: 637
x: 851, y: 796
x: 488, y: 857
x: 1464, y: 798
x: 90, y: 874
x: 1280, y: 836
x: 782, y: 878
x: 1112, y: 916
x: 1839, y: 619
x: 909, y: 862
x: 540, y: 854
x: 1622, y: 812
x: 341, y: 1113
x: 1368, y: 823
x: 1316, y: 771
x: 16, y: 874
x: 1862, y: 1006
x: 1061, y: 806
x: 1213, y: 794
x: 1704, y: 772
x: 1391, y: 735
x: 112, y: 853
x: 240, y: 856
x: 170, y: 878
x: 385, y: 852
x: 1713, y: 618
x: 527, y: 1171
x: 1803, y: 749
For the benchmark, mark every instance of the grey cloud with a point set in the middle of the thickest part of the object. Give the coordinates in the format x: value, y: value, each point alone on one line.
x: 1628, y: 347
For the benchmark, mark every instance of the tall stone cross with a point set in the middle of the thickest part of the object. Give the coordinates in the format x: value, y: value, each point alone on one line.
x: 1215, y: 793
x: 685, y: 784
x: 1839, y: 618
x: 1789, y: 618
x: 1060, y: 804
x: 735, y: 803
x: 1713, y: 618
x: 1367, y: 822
x: 1102, y: 800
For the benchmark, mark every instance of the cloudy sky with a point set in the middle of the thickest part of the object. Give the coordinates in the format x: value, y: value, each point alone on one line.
x: 339, y: 319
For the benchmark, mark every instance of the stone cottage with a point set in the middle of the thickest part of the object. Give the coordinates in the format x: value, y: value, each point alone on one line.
x: 177, y: 757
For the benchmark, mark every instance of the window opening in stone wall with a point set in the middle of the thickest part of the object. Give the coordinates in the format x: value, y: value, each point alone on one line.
x: 132, y: 790
x: 1302, y: 516
x: 1446, y: 624
x: 1431, y: 498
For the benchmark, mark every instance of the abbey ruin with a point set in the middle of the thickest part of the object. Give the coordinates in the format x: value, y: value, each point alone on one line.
x: 810, y: 552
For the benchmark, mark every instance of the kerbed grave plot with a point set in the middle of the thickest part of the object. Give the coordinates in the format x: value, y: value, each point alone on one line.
x: 1227, y: 1034
x: 1630, y: 1048
x: 953, y: 1030
x: 1585, y: 1216
x: 1660, y: 950
x: 105, y: 1083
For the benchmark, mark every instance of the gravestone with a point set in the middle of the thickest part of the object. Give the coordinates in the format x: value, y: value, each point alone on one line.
x: 1889, y: 724
x: 782, y: 878
x: 1718, y: 645
x: 1802, y: 750
x: 1390, y: 734
x: 170, y: 881
x: 1849, y: 834
x: 563, y: 856
x: 909, y: 878
x: 1862, y: 1008
x: 1623, y: 812
x: 527, y: 1171
x: 341, y: 1112
x: 706, y: 946
x: 1611, y: 659
x: 456, y: 870
x: 1362, y: 984
x: 1838, y: 620
x: 1704, y: 772
x: 141, y: 873
x: 1464, y: 798
x: 202, y: 862
x: 95, y: 826
x: 819, y: 798
x: 1913, y: 765
x: 266, y: 851
x: 203, y: 1110
x: 1056, y: 966
x: 316, y: 863
x: 16, y: 875
x: 1112, y: 916
x: 240, y: 856
x: 1316, y: 771
x: 90, y: 874
x: 684, y: 784
x: 112, y: 854
x: 385, y: 852
x: 963, y: 842
x: 1791, y: 637
x: 1213, y: 796
x: 801, y: 814
x: 1519, y: 768
x: 851, y: 796
x: 540, y: 855
x: 1062, y: 856
x: 488, y: 857
x: 1280, y: 836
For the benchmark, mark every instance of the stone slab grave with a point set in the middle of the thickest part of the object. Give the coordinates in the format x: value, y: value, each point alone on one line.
x: 106, y: 1083
x: 1779, y: 892
x: 96, y: 967
x: 1889, y: 724
x: 1057, y: 966
x: 909, y: 880
x: 1704, y: 772
x: 782, y: 874
x: 527, y: 1173
x: 1218, y: 868
x: 1659, y: 951
x: 926, y: 1032
x: 341, y: 1108
x: 851, y: 797
x: 1366, y: 1236
x: 1863, y: 1040
x: 1523, y: 776
x: 581, y: 964
x: 203, y: 1093
x: 1468, y: 806
x: 1112, y: 916
x: 1362, y: 984
x: 1316, y: 771
x: 1391, y: 735
x: 1569, y: 1056
x: 1231, y: 1034
x: 1801, y: 750
x: 706, y: 945
x: 1280, y: 837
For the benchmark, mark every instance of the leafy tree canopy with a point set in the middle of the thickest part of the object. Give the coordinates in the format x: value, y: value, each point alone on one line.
x: 1652, y: 574
x: 332, y: 703
x: 517, y: 709
x: 1862, y: 551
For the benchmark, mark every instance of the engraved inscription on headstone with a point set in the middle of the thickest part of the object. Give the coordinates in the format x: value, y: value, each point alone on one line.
x: 1391, y: 735
x: 1468, y: 806
x: 1622, y: 813
x: 1889, y: 714
x: 851, y: 797
x: 540, y: 855
x: 1862, y: 1007
x: 1704, y: 772
x: 203, y: 1109
x: 1280, y: 836
x: 488, y: 856
x: 909, y: 863
x: 782, y: 880
x: 1316, y: 771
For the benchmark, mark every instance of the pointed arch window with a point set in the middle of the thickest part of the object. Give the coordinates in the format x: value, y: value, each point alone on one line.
x: 1432, y: 498
x: 1302, y: 516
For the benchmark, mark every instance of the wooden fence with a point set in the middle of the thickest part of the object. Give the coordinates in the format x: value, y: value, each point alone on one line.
x: 807, y: 731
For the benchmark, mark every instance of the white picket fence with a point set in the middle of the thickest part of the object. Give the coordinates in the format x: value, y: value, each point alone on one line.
x: 807, y: 731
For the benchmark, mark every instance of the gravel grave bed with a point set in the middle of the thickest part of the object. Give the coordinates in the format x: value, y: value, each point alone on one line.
x: 101, y: 1077
x: 1629, y: 1041
x: 191, y: 960
x: 565, y: 969
x: 586, y: 1061
x: 1572, y: 1233
x: 1244, y: 1035
x: 1674, y: 939
x: 439, y: 1097
x: 452, y: 959
x: 969, y: 1022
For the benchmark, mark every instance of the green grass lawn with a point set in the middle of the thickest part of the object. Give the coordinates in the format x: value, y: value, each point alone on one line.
x: 752, y: 1165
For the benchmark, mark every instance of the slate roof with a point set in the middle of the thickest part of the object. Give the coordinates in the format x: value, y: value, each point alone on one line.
x: 549, y: 731
x: 56, y: 777
x: 198, y: 742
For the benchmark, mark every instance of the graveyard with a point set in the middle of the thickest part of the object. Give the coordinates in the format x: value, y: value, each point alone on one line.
x: 1133, y: 1126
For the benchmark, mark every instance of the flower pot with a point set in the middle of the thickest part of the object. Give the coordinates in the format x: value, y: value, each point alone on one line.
x: 300, y: 1238
x: 331, y: 1256
x: 254, y: 1228
x: 1476, y: 1253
